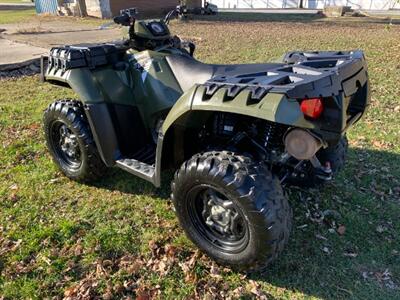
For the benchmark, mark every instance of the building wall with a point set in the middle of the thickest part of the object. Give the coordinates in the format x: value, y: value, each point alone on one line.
x: 316, y: 4
x: 255, y: 3
x: 147, y: 8
x: 192, y: 3
x: 98, y: 8
x: 355, y: 4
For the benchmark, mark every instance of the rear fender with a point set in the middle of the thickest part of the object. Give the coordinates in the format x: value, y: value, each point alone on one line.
x: 193, y: 110
x: 273, y: 107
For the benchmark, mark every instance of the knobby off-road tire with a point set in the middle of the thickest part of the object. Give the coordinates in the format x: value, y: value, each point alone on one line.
x: 66, y: 120
x: 256, y: 196
x: 336, y: 155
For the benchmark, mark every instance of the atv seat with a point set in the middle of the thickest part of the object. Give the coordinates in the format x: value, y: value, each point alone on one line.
x: 189, y: 71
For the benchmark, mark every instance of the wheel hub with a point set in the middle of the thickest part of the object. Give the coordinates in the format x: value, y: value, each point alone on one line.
x: 217, y: 218
x: 69, y: 142
x: 221, y: 216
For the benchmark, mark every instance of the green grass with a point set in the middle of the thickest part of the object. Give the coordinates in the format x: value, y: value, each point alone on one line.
x: 59, y: 236
x: 12, y: 1
x: 16, y: 16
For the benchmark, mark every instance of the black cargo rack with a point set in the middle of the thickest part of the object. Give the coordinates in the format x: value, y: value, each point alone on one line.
x: 85, y: 55
x: 305, y: 75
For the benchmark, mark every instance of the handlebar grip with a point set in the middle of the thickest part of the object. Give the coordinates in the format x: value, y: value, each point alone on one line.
x: 123, y: 19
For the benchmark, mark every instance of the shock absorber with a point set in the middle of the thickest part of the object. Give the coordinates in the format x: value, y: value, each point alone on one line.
x: 272, y: 136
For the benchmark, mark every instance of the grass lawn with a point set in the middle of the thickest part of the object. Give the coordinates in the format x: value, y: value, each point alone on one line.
x: 119, y: 237
x: 16, y: 16
x: 12, y: 1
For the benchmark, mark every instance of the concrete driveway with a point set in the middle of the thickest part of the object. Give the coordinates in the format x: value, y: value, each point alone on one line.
x: 21, y: 43
x: 15, y: 55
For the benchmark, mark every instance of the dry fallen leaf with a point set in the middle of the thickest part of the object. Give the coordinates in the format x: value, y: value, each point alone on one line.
x: 255, y: 289
x: 380, y: 229
x: 14, y: 187
x: 350, y: 254
x: 341, y: 230
x: 215, y: 272
x: 170, y: 251
x: 326, y: 250
x: 321, y: 237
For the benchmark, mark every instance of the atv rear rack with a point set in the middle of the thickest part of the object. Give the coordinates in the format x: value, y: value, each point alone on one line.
x: 305, y: 75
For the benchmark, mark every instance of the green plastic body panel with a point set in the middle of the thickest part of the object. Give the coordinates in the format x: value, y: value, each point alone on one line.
x: 273, y: 107
x: 146, y: 82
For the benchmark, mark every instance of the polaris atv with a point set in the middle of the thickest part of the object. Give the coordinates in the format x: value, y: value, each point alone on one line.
x: 235, y: 133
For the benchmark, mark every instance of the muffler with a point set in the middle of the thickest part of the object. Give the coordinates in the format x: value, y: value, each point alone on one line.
x: 301, y: 144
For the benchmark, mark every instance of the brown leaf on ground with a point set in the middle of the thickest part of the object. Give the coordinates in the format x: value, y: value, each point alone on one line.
x: 384, y: 278
x: 341, y: 230
x: 7, y: 246
x: 131, y: 264
x: 350, y: 254
x: 170, y: 251
x: 255, y: 288
x: 188, y: 266
x: 152, y: 245
x: 85, y: 289
x: 14, y: 187
x: 326, y: 250
x: 215, y: 271
x: 380, y: 228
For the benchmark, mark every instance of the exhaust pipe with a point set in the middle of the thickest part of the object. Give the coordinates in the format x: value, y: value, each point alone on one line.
x: 301, y: 144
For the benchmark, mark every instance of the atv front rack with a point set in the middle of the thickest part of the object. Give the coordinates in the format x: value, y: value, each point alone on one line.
x: 305, y: 75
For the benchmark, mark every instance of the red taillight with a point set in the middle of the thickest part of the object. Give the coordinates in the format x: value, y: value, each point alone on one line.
x: 312, y: 107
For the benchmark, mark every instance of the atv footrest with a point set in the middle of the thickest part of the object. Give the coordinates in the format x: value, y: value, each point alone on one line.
x: 135, y: 167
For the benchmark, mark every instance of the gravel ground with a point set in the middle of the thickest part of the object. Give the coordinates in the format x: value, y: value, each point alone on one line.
x: 30, y: 70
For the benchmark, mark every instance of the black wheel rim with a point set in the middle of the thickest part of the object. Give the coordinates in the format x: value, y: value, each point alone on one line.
x: 65, y: 144
x: 217, y: 219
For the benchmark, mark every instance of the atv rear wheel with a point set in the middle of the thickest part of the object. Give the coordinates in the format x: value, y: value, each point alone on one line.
x: 70, y: 141
x: 233, y: 209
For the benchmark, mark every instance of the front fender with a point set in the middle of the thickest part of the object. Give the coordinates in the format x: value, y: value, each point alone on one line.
x: 81, y: 80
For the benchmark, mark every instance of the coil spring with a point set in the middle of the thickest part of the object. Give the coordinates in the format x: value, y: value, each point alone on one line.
x: 272, y: 136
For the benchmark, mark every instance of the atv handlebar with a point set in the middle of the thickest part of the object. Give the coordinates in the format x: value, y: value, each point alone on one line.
x: 126, y: 17
x: 177, y: 11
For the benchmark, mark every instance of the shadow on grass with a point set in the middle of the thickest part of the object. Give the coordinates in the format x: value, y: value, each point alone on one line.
x: 119, y: 180
x: 328, y: 265
x: 319, y: 262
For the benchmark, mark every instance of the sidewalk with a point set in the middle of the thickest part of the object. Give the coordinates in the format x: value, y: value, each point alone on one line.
x: 17, y: 6
x: 24, y: 42
x: 15, y: 55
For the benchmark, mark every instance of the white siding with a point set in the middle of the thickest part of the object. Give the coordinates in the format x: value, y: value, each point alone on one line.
x: 255, y: 3
x: 319, y: 4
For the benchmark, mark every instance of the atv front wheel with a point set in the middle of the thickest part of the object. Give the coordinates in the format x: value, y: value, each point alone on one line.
x: 233, y: 209
x: 70, y: 141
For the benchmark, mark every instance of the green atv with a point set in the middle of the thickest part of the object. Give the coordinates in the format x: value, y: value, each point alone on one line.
x: 235, y: 133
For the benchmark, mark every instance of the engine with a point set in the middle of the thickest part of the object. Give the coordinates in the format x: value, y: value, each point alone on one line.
x: 254, y: 136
